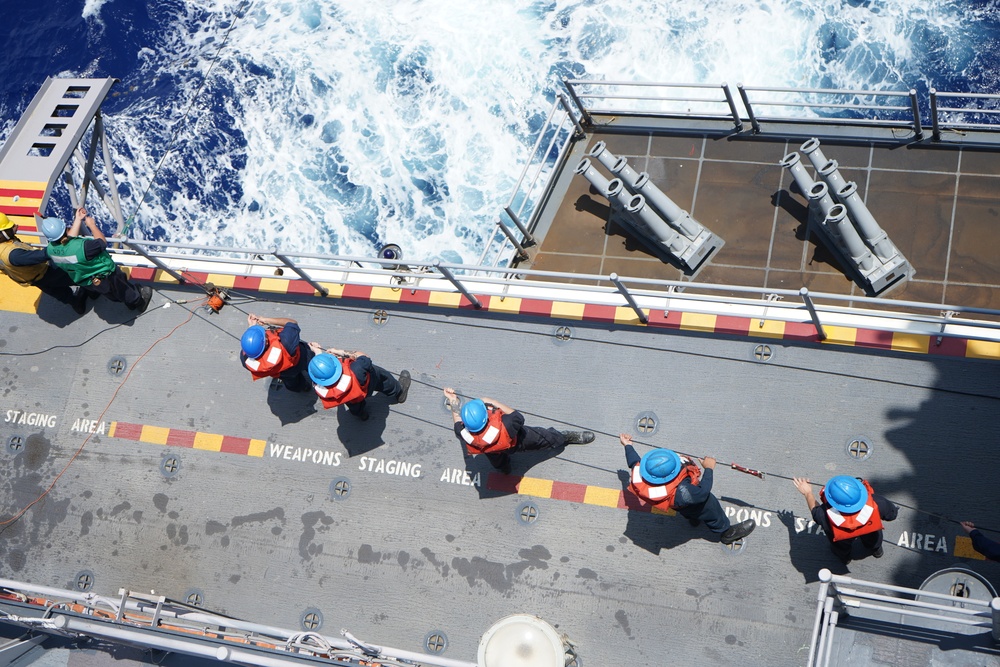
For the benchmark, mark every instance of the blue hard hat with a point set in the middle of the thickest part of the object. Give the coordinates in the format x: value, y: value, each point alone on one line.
x: 53, y: 228
x: 845, y: 494
x: 254, y: 341
x: 475, y: 416
x: 660, y: 466
x: 325, y: 369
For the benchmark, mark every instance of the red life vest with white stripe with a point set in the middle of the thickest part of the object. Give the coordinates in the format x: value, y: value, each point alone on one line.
x: 494, y: 438
x: 346, y: 390
x: 662, y: 496
x: 846, y: 526
x: 275, y: 360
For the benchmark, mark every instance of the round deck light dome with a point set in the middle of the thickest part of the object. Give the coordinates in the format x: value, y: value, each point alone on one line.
x: 522, y: 640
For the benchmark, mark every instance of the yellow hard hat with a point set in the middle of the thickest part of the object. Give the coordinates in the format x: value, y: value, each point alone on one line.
x: 5, y: 222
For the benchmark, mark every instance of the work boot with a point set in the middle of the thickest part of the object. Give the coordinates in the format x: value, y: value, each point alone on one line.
x: 404, y: 381
x: 738, y: 532
x: 694, y: 522
x: 80, y: 302
x: 578, y: 437
x: 145, y: 294
x: 878, y: 552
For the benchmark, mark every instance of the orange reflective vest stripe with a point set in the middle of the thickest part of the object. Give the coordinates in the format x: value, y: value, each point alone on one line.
x: 846, y: 526
x: 346, y: 390
x: 494, y: 438
x: 662, y: 495
x: 275, y: 360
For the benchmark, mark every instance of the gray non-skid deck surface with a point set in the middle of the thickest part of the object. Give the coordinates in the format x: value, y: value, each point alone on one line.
x: 402, y: 556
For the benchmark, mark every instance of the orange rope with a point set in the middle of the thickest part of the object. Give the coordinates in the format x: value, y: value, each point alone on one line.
x: 101, y: 417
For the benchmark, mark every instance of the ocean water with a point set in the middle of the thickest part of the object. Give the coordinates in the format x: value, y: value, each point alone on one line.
x: 336, y: 126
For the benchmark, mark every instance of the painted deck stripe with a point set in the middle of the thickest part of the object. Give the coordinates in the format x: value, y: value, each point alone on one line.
x: 175, y: 437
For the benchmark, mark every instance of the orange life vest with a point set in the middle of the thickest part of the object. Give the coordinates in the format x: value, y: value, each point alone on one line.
x: 494, y: 438
x: 662, y: 495
x: 275, y: 360
x: 346, y: 390
x: 846, y: 526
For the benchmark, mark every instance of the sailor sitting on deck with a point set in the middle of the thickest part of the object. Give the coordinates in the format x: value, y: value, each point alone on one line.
x: 271, y: 348
x: 348, y: 378
x: 665, y: 480
x: 848, y: 509
x: 487, y: 426
x: 88, y: 263
x: 29, y: 266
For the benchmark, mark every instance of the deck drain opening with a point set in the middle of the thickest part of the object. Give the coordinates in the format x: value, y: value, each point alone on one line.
x: 84, y: 580
x: 15, y: 444
x: 340, y: 488
x: 312, y: 619
x: 195, y: 597
x: 859, y: 448
x: 563, y: 334
x: 960, y: 590
x: 117, y: 365
x: 646, y: 423
x: 435, y: 642
x: 170, y: 465
x: 763, y: 352
x: 380, y: 317
x: 527, y: 514
x: 735, y: 548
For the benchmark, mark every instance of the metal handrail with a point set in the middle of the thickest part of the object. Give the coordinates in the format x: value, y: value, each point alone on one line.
x: 836, y: 598
x: 938, y: 123
x: 640, y: 294
x: 730, y: 114
x: 836, y: 103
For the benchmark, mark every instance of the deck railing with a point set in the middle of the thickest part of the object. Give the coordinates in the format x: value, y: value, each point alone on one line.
x: 832, y: 106
x: 840, y: 596
x: 641, y: 295
x: 983, y: 108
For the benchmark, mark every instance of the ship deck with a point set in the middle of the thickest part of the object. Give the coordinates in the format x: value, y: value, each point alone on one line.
x: 198, y: 481
x: 172, y: 471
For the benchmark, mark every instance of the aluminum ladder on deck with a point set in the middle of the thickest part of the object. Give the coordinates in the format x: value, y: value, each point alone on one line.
x: 40, y: 147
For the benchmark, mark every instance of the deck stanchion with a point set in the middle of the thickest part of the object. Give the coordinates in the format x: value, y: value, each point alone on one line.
x: 746, y: 103
x: 302, y: 274
x: 579, y: 105
x: 446, y: 272
x: 804, y: 293
x: 995, y: 608
x: 521, y: 253
x: 935, y: 128
x: 579, y: 134
x: 737, y: 121
x: 824, y: 577
x: 628, y: 297
x: 528, y: 238
x: 918, y: 130
x: 160, y: 265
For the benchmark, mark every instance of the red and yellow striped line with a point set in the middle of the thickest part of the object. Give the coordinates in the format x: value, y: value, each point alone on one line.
x: 574, y: 493
x: 175, y: 437
x: 20, y: 200
x: 657, y: 319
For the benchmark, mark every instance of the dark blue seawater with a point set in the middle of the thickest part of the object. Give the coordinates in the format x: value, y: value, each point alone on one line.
x: 323, y: 125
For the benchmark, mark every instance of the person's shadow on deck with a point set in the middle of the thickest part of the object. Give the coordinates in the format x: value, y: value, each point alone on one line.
x: 360, y: 437
x: 494, y: 483
x: 654, y: 532
x: 290, y: 407
x: 808, y: 552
